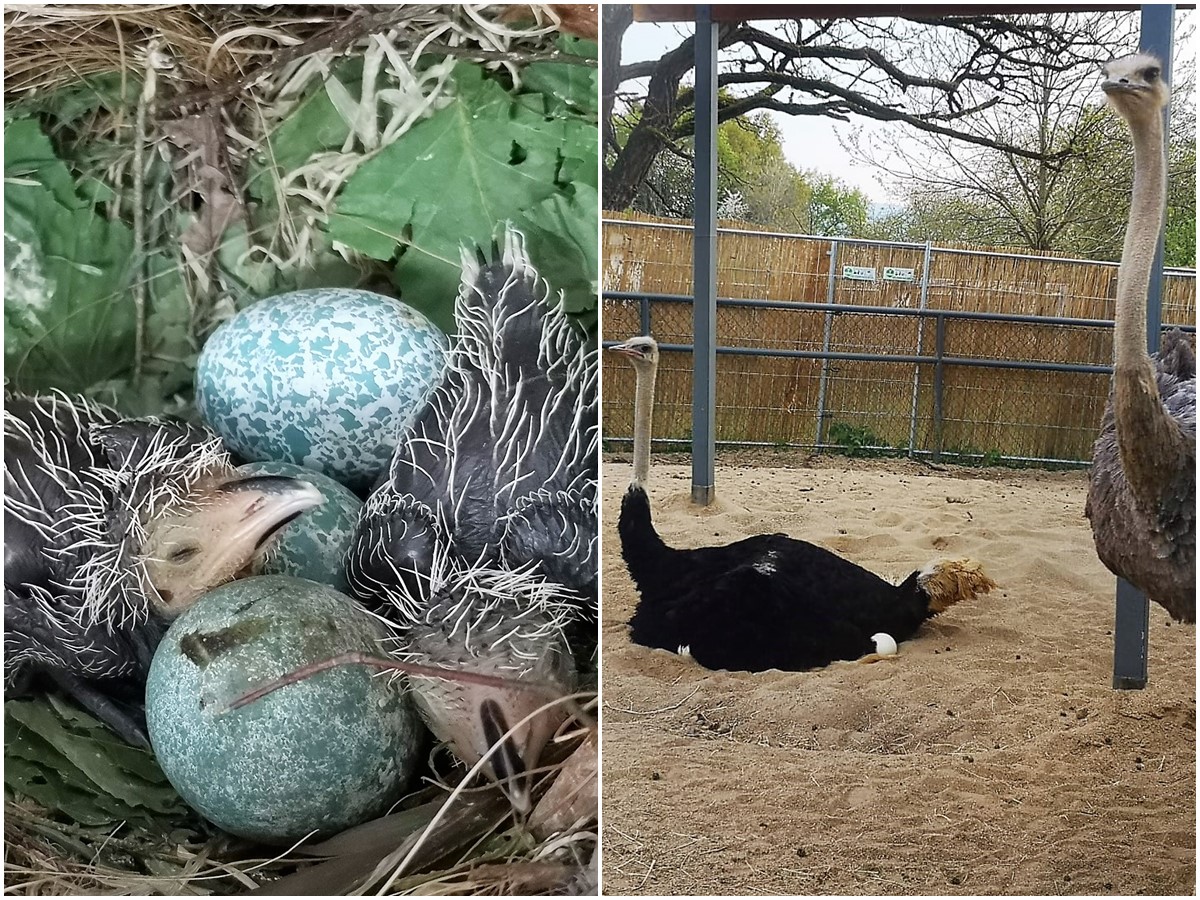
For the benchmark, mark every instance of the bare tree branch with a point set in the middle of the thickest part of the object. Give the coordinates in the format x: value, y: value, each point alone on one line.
x: 940, y: 76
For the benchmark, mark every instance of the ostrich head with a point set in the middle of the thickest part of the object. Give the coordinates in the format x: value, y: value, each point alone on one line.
x: 1135, y: 87
x: 642, y: 351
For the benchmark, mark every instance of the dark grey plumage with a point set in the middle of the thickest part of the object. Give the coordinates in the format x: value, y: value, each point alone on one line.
x: 112, y: 527
x: 482, y: 544
x: 1159, y: 562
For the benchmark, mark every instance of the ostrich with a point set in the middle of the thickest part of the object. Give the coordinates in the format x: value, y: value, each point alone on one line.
x: 112, y: 528
x: 765, y: 602
x: 481, y: 544
x: 1142, y: 492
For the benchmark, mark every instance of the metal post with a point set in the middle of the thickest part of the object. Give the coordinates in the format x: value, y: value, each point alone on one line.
x: 704, y: 263
x: 1131, y: 626
x: 644, y: 314
x: 939, y: 351
x: 924, y: 303
x: 830, y: 294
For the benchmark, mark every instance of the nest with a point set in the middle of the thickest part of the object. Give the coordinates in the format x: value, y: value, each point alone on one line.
x: 192, y: 94
x: 219, y: 49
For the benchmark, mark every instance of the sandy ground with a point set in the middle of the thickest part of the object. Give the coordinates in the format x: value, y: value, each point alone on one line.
x: 990, y: 756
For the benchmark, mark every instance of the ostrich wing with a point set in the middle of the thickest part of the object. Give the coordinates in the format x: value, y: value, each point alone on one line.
x: 1162, y: 562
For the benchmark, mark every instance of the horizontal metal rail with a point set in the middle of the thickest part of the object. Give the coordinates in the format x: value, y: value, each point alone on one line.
x: 895, y: 452
x: 857, y: 309
x: 938, y: 359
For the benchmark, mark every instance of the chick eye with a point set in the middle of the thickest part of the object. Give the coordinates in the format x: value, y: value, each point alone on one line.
x: 183, y: 554
x: 1151, y: 73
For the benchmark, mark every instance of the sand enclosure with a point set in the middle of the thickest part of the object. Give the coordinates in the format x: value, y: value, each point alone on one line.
x: 990, y: 756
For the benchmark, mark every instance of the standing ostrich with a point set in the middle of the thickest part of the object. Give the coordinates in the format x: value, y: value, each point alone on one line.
x: 1142, y: 493
x: 481, y: 544
x: 765, y: 602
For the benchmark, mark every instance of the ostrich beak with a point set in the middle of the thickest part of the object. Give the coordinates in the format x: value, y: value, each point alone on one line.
x: 626, y: 350
x: 1112, y: 85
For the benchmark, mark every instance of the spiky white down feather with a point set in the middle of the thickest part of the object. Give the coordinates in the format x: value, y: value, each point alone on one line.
x: 96, y: 535
x: 513, y: 420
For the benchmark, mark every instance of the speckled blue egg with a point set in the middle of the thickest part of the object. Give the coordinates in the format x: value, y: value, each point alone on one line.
x: 322, y: 754
x: 314, y: 544
x: 327, y: 379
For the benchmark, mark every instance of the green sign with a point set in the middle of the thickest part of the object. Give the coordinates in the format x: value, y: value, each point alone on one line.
x: 859, y: 273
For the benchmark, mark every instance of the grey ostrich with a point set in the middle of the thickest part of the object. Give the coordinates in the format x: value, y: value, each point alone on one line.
x: 1142, y: 493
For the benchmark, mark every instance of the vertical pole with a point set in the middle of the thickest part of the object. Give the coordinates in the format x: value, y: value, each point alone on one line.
x: 1131, y: 625
x: 830, y: 294
x: 644, y: 315
x: 939, y: 351
x: 704, y: 263
x: 916, y: 391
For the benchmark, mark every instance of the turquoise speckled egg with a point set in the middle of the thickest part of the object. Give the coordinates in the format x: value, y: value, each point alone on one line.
x: 314, y: 544
x: 325, y: 378
x: 325, y: 753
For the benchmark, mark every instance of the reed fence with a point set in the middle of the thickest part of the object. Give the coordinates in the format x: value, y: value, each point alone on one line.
x: 949, y: 352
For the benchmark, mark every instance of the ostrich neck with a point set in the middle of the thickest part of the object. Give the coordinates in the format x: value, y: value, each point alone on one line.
x: 1141, y: 240
x: 643, y: 413
x: 1148, y: 439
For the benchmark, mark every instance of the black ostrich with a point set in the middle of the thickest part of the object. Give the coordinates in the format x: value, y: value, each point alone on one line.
x: 481, y: 545
x: 112, y: 528
x: 765, y: 602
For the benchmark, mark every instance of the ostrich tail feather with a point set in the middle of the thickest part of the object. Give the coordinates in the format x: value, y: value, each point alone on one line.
x: 951, y: 581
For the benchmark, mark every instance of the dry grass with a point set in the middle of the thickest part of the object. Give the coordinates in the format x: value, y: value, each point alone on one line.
x: 444, y: 839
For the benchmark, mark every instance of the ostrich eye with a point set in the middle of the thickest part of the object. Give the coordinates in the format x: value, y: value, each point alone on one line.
x: 1151, y: 73
x: 183, y: 554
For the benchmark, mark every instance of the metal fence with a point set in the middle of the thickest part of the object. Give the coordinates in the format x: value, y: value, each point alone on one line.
x: 913, y: 372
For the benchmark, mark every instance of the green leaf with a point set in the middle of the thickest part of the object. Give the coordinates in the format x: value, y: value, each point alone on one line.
x: 313, y: 126
x: 577, y: 46
x: 29, y: 157
x: 560, y: 233
x: 93, y: 753
x: 113, y: 91
x: 44, y: 784
x: 572, y: 85
x: 451, y: 181
x: 68, y: 317
x: 580, y: 154
x: 170, y: 348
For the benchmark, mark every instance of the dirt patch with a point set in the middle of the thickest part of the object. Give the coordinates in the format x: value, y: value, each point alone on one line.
x: 990, y: 756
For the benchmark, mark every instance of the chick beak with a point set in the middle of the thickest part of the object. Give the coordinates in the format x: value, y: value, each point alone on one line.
x: 223, y: 534
x: 474, y: 720
x: 256, y: 507
x: 507, y: 762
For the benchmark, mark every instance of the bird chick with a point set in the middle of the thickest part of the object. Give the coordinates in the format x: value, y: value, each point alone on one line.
x: 481, y: 545
x: 114, y: 527
x: 472, y: 617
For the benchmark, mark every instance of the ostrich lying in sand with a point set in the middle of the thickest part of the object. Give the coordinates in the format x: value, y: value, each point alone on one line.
x: 1142, y: 496
x: 766, y: 602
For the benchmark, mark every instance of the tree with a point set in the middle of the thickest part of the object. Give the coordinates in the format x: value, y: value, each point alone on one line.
x: 837, y: 209
x: 755, y: 182
x: 1077, y: 202
x: 937, y: 74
